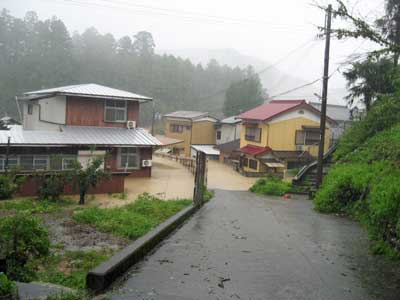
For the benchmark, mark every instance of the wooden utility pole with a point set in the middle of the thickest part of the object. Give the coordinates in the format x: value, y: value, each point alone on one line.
x: 320, y: 164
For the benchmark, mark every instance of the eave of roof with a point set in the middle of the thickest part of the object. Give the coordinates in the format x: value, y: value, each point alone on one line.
x: 254, y: 150
x: 90, y: 90
x: 79, y: 136
x: 282, y: 107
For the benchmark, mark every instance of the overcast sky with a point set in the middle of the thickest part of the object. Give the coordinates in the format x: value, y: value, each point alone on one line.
x: 266, y: 29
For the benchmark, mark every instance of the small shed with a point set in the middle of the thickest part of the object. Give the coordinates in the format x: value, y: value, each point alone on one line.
x: 210, y: 151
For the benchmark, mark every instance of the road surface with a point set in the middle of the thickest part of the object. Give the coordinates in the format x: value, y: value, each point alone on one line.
x: 242, y: 246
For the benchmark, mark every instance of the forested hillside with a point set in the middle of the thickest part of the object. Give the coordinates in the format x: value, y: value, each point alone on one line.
x: 37, y: 54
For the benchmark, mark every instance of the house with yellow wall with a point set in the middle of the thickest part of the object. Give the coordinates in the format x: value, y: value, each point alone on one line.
x: 280, y: 135
x: 192, y: 128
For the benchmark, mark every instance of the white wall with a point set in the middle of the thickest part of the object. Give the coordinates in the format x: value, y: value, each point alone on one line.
x: 228, y: 133
x: 47, y: 114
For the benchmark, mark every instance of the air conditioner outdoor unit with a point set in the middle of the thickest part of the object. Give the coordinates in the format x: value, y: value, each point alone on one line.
x: 131, y: 124
x: 147, y: 163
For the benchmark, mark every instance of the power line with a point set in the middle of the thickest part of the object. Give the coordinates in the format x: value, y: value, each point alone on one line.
x: 296, y: 88
x: 262, y: 70
x: 182, y: 17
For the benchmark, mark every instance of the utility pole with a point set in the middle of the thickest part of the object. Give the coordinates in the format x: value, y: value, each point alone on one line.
x: 320, y: 164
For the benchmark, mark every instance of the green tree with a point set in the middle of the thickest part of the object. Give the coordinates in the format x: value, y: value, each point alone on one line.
x: 144, y: 44
x: 368, y: 79
x: 389, y: 26
x: 243, y: 95
x: 89, y: 176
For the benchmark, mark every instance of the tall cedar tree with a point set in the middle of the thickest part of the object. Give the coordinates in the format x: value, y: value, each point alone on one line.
x: 243, y: 95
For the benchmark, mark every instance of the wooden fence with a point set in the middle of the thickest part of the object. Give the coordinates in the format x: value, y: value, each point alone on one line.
x: 189, y: 163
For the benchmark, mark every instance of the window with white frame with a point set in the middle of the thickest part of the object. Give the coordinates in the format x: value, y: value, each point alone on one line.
x: 115, y: 110
x: 38, y: 162
x: 68, y: 162
x: 129, y: 158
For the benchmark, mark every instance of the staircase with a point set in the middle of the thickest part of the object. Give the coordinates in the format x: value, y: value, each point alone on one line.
x: 306, y: 180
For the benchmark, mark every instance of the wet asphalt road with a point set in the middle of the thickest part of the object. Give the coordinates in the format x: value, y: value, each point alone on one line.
x: 241, y: 246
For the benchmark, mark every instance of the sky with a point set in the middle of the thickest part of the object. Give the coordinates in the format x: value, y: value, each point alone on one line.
x: 265, y: 29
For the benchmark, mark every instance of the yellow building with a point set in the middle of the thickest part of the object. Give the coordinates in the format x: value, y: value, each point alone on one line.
x: 279, y: 135
x: 192, y: 127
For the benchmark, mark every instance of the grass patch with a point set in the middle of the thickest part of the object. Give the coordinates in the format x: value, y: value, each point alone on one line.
x: 70, y: 268
x: 271, y: 186
x: 132, y: 220
x: 35, y: 206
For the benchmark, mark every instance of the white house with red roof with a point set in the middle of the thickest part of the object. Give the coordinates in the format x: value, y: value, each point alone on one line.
x: 280, y: 135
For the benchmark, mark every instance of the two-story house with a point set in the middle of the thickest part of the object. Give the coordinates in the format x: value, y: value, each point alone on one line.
x: 64, y: 124
x: 279, y: 135
x: 192, y: 128
x: 342, y: 116
x: 228, y: 130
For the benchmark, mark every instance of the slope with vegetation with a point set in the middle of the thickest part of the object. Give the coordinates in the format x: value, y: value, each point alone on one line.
x: 365, y: 180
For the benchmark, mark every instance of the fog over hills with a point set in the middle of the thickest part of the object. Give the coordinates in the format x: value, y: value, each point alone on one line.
x: 273, y: 79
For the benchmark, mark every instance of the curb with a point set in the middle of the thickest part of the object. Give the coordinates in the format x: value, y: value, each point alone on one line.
x: 102, y: 276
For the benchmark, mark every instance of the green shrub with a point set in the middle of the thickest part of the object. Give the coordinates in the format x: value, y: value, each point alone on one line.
x: 345, y: 184
x: 10, y: 184
x: 22, y: 238
x: 271, y: 186
x: 132, y: 220
x: 384, y: 114
x: 7, y: 287
x: 384, y: 208
x: 51, y: 185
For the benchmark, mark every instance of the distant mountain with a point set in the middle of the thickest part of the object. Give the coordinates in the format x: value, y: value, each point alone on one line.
x: 273, y: 79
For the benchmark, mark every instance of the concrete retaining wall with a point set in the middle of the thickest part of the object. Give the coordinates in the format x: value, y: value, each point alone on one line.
x: 103, y: 275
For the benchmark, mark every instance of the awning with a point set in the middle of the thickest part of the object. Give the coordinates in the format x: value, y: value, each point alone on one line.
x: 274, y: 165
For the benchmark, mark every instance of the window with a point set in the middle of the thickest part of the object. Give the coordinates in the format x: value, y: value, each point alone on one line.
x: 129, y: 158
x: 40, y: 162
x: 253, y: 134
x: 30, y: 108
x: 307, y: 137
x: 245, y: 162
x: 68, y: 162
x: 218, y: 135
x: 176, y: 128
x: 12, y: 162
x: 300, y: 137
x: 253, y: 164
x: 115, y: 110
x: 312, y: 137
x: 26, y: 162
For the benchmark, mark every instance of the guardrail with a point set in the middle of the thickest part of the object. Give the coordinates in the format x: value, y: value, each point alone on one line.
x: 311, y: 165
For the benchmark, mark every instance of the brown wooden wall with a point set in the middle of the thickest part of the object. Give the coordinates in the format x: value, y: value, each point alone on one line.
x: 116, y: 184
x: 90, y: 112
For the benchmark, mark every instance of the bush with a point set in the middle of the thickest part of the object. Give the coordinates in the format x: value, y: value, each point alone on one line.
x: 51, y: 185
x: 271, y: 186
x: 345, y: 184
x: 22, y: 238
x: 384, y: 209
x: 7, y: 287
x: 384, y: 114
x: 10, y: 184
x: 132, y: 220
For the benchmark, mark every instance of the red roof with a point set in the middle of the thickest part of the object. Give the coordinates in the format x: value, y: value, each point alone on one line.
x: 269, y: 110
x: 254, y: 150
